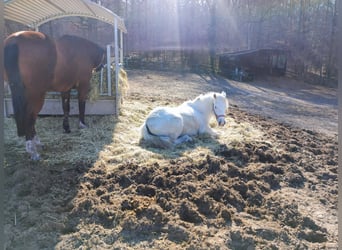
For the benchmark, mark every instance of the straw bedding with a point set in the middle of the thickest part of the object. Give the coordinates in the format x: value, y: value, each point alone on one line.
x: 261, y: 185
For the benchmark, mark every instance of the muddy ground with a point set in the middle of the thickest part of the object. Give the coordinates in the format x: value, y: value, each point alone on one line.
x: 269, y: 182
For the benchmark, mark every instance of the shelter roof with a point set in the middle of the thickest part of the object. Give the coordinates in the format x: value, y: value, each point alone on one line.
x: 252, y: 51
x: 34, y: 13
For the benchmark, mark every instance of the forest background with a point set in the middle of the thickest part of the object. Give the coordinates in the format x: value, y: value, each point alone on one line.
x: 306, y: 29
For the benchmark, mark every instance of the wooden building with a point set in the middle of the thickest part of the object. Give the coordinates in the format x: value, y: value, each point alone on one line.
x: 247, y: 64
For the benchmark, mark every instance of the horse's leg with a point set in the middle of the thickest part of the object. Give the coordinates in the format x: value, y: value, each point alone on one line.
x: 208, y: 130
x: 183, y: 138
x: 66, y: 110
x: 36, y: 139
x: 32, y: 111
x: 82, y: 96
x: 30, y: 133
x: 81, y: 108
x: 32, y: 140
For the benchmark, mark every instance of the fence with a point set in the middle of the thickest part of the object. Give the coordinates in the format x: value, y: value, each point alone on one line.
x: 171, y: 60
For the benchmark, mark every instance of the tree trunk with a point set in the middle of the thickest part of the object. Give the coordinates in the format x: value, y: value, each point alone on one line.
x: 212, y: 36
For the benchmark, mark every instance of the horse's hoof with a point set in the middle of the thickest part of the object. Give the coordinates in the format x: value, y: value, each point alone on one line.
x: 31, y: 148
x: 81, y: 125
x: 35, y: 157
x: 67, y: 131
x: 188, y: 138
x: 37, y: 141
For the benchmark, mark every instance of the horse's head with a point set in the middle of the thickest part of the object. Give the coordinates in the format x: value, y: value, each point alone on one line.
x: 101, y: 64
x: 220, y: 107
x: 101, y: 61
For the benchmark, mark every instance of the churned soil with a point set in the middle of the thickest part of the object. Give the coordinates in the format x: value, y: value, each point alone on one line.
x: 269, y: 181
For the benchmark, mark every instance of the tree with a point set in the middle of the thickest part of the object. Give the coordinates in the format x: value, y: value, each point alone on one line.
x: 306, y: 28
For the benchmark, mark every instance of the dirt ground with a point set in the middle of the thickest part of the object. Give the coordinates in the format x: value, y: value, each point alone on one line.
x: 268, y: 182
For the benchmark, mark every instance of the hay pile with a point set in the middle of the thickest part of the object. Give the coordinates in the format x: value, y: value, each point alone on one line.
x: 125, y: 145
x: 95, y: 83
x: 116, y: 140
x: 78, y: 147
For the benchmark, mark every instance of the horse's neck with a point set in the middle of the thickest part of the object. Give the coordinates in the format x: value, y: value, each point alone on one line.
x: 204, y: 105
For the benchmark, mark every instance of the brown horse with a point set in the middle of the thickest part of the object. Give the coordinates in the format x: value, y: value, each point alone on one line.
x: 35, y: 64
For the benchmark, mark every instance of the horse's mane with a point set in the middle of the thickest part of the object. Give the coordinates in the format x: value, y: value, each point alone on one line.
x: 80, y: 40
x: 201, y: 101
x: 203, y: 97
x: 82, y: 45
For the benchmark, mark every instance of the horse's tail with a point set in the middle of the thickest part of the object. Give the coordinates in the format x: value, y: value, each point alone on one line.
x: 154, y: 140
x: 11, y: 64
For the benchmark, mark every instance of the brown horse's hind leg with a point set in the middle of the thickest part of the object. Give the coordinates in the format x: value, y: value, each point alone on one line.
x: 66, y: 111
x: 32, y: 140
x: 82, y: 96
x: 81, y: 108
x: 36, y: 140
x: 30, y: 134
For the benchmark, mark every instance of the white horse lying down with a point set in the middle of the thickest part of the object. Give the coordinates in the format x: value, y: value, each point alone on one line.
x: 165, y: 126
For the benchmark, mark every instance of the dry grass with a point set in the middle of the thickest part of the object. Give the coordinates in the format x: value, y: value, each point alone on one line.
x: 112, y: 141
x: 94, y: 93
x: 125, y: 145
x: 71, y: 197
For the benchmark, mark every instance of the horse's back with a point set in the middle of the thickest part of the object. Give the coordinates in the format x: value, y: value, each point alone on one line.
x: 76, y: 57
x: 192, y: 119
x: 27, y: 37
x: 86, y: 53
x: 36, y: 57
x: 165, y: 121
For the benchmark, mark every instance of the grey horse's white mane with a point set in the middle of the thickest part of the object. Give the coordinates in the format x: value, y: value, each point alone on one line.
x: 208, y: 94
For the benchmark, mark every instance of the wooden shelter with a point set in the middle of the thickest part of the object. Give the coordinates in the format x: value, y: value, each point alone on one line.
x: 247, y: 64
x: 33, y: 13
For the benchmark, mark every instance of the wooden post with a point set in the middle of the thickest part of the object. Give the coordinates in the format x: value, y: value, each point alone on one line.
x: 109, y: 75
x: 121, y: 47
x: 117, y: 67
x: 2, y: 165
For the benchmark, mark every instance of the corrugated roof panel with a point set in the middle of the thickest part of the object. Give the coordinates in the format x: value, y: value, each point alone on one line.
x: 20, y: 14
x: 40, y: 12
x: 75, y: 7
x: 33, y: 13
x: 41, y: 5
x: 27, y: 12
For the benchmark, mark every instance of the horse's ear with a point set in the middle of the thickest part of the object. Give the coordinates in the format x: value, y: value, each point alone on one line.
x: 223, y: 93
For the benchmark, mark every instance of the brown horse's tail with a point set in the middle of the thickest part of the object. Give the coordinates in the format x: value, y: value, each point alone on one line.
x: 11, y: 63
